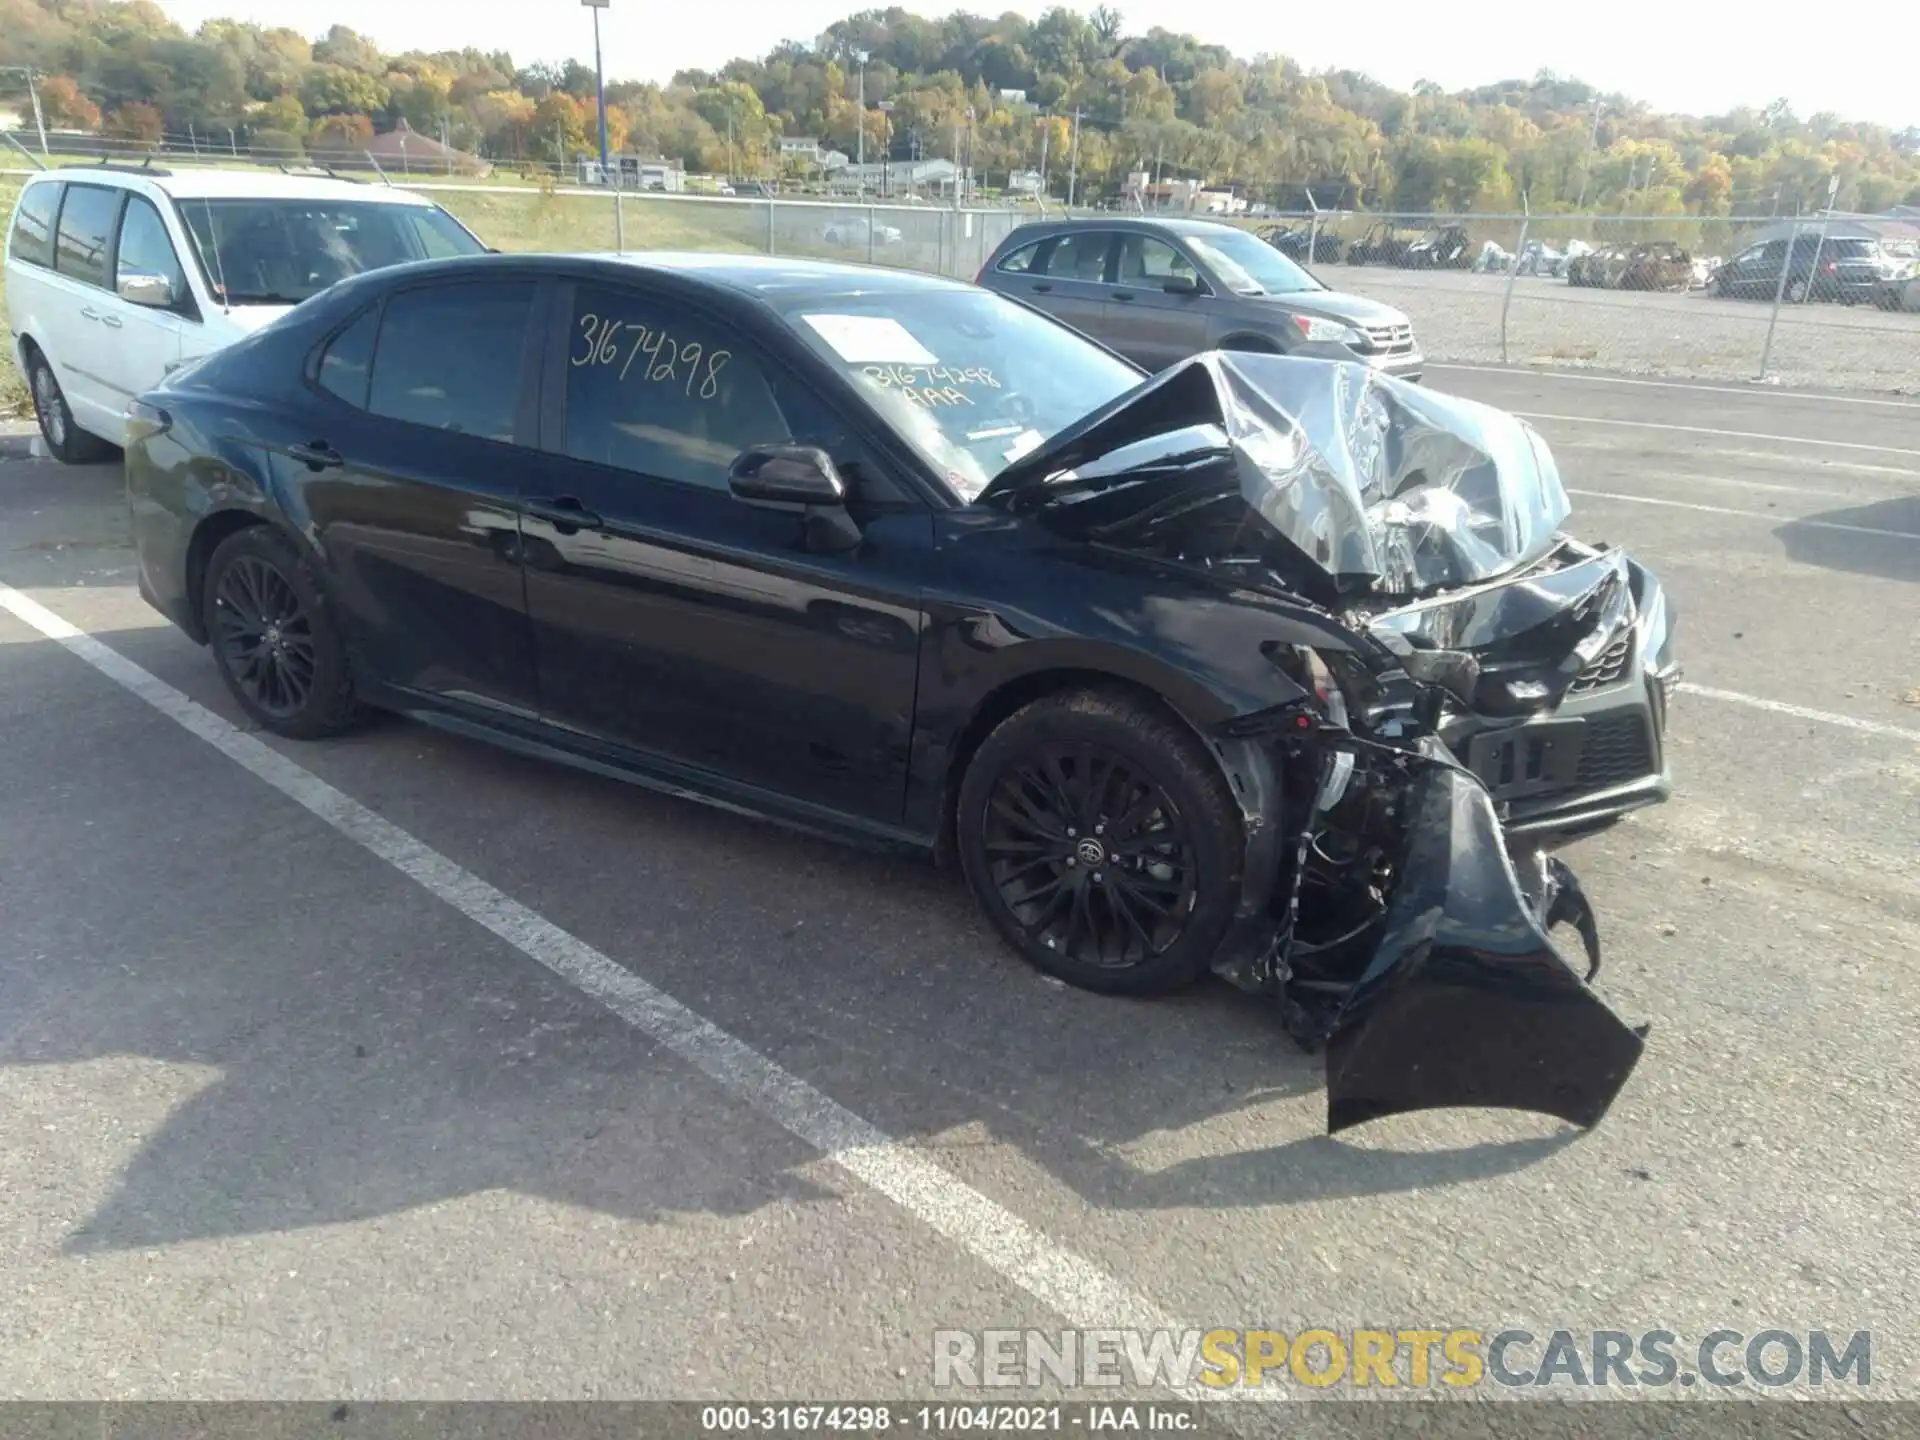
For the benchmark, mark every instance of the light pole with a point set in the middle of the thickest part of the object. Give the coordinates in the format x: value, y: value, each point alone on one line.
x: 600, y: 89
x: 885, y: 107
x: 860, y: 145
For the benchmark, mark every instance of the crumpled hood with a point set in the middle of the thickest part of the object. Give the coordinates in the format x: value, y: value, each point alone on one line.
x: 1388, y: 487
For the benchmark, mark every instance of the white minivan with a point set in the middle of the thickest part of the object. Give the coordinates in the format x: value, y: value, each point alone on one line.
x: 119, y: 274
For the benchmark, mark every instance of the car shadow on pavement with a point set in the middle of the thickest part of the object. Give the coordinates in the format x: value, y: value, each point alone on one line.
x: 335, y: 1046
x: 1891, y: 554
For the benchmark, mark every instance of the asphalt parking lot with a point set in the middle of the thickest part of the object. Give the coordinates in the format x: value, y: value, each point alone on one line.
x: 402, y: 1067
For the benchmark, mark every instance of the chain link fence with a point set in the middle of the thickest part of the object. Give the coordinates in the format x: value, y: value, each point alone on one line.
x: 1819, y: 301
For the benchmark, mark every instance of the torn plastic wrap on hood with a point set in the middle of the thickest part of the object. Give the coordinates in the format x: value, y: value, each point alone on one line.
x: 1387, y: 487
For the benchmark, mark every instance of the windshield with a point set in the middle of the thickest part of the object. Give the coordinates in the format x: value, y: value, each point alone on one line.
x: 280, y: 252
x: 972, y: 380
x: 1248, y: 265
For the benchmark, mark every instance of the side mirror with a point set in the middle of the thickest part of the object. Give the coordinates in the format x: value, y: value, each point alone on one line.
x: 141, y: 287
x: 786, y: 475
x: 1182, y: 285
x: 800, y: 478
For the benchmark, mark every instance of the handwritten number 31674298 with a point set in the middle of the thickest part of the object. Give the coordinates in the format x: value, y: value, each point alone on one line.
x: 694, y: 367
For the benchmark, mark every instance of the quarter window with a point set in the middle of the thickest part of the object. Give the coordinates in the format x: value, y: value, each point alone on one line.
x: 663, y: 392
x: 1021, y: 260
x: 145, y: 248
x: 86, y: 220
x: 347, y: 363
x: 33, y: 225
x: 449, y: 357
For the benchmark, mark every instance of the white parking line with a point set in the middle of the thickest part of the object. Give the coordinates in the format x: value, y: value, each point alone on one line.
x: 1074, y: 1287
x: 1705, y: 430
x: 1765, y: 392
x: 1747, y: 514
x: 1802, y: 712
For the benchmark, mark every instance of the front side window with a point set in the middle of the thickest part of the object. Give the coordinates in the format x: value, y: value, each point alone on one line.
x: 280, y: 252
x: 663, y: 392
x: 145, y: 248
x: 449, y: 357
x: 33, y: 225
x: 86, y: 221
x: 1143, y: 258
x: 970, y: 379
x: 1080, y: 255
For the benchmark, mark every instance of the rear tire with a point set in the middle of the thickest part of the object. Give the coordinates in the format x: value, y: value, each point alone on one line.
x: 274, y: 637
x: 66, y: 441
x: 1102, y: 840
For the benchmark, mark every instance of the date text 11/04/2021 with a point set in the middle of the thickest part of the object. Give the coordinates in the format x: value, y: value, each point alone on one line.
x: 1096, y: 1418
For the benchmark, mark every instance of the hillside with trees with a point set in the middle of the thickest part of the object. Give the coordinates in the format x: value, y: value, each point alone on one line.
x: 1004, y: 91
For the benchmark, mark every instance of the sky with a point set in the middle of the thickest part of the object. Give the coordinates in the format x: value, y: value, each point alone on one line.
x: 1676, y: 57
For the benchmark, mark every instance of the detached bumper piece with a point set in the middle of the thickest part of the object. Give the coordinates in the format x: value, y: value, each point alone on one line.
x: 1466, y: 1001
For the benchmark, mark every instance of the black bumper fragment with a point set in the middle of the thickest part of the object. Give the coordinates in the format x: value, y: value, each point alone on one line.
x: 1466, y: 1001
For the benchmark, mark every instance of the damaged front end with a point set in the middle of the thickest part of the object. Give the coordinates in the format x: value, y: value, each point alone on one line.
x: 1398, y: 923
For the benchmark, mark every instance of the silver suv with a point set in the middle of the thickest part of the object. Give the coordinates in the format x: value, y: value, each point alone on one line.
x: 1158, y: 291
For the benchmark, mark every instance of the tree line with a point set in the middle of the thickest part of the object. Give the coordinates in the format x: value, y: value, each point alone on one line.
x: 1003, y: 95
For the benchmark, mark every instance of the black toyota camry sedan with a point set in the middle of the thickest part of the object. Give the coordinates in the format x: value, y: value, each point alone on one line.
x: 1188, y: 671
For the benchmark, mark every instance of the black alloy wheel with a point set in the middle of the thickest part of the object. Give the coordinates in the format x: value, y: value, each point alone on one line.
x: 265, y: 636
x: 1101, y: 839
x: 274, y: 638
x: 1090, y: 856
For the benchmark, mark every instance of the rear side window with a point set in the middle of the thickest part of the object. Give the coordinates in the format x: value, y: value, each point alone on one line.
x: 1081, y: 255
x: 33, y: 225
x: 347, y: 363
x: 86, y: 220
x: 449, y: 357
x: 1021, y: 260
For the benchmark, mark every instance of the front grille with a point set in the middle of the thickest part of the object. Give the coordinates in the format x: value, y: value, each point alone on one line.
x: 1611, y: 665
x: 1388, y: 339
x: 1616, y: 750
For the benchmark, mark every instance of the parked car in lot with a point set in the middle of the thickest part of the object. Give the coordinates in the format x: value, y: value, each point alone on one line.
x: 1650, y: 265
x: 1445, y: 247
x: 116, y: 274
x: 1844, y: 268
x: 1158, y: 291
x: 1899, y: 290
x: 1383, y: 244
x: 1162, y: 662
x: 857, y: 230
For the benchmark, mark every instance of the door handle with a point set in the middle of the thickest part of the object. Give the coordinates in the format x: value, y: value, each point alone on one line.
x: 317, y: 455
x: 564, y: 513
x: 1123, y: 295
x: 112, y: 322
x: 89, y: 313
x: 1041, y: 289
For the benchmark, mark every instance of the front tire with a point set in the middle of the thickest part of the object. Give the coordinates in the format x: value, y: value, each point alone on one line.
x: 274, y: 637
x: 1101, y: 839
x: 66, y: 441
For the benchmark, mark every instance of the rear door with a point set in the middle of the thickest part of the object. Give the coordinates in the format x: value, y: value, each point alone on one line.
x: 1069, y: 279
x: 408, y: 468
x: 1145, y: 323
x: 80, y: 330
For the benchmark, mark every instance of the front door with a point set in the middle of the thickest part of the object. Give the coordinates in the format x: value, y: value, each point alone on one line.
x: 672, y: 619
x: 148, y: 337
x: 1147, y: 324
x: 406, y: 467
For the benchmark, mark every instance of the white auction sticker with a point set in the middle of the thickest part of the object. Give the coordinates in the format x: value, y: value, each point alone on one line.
x: 871, y: 340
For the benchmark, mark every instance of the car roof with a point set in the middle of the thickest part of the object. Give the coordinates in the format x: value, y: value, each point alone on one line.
x: 775, y: 279
x: 211, y: 184
x: 1170, y: 224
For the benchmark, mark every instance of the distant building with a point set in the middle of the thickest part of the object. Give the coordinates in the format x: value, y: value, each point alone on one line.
x: 1898, y: 228
x: 894, y: 177
x: 409, y: 152
x: 800, y: 147
x: 636, y: 172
